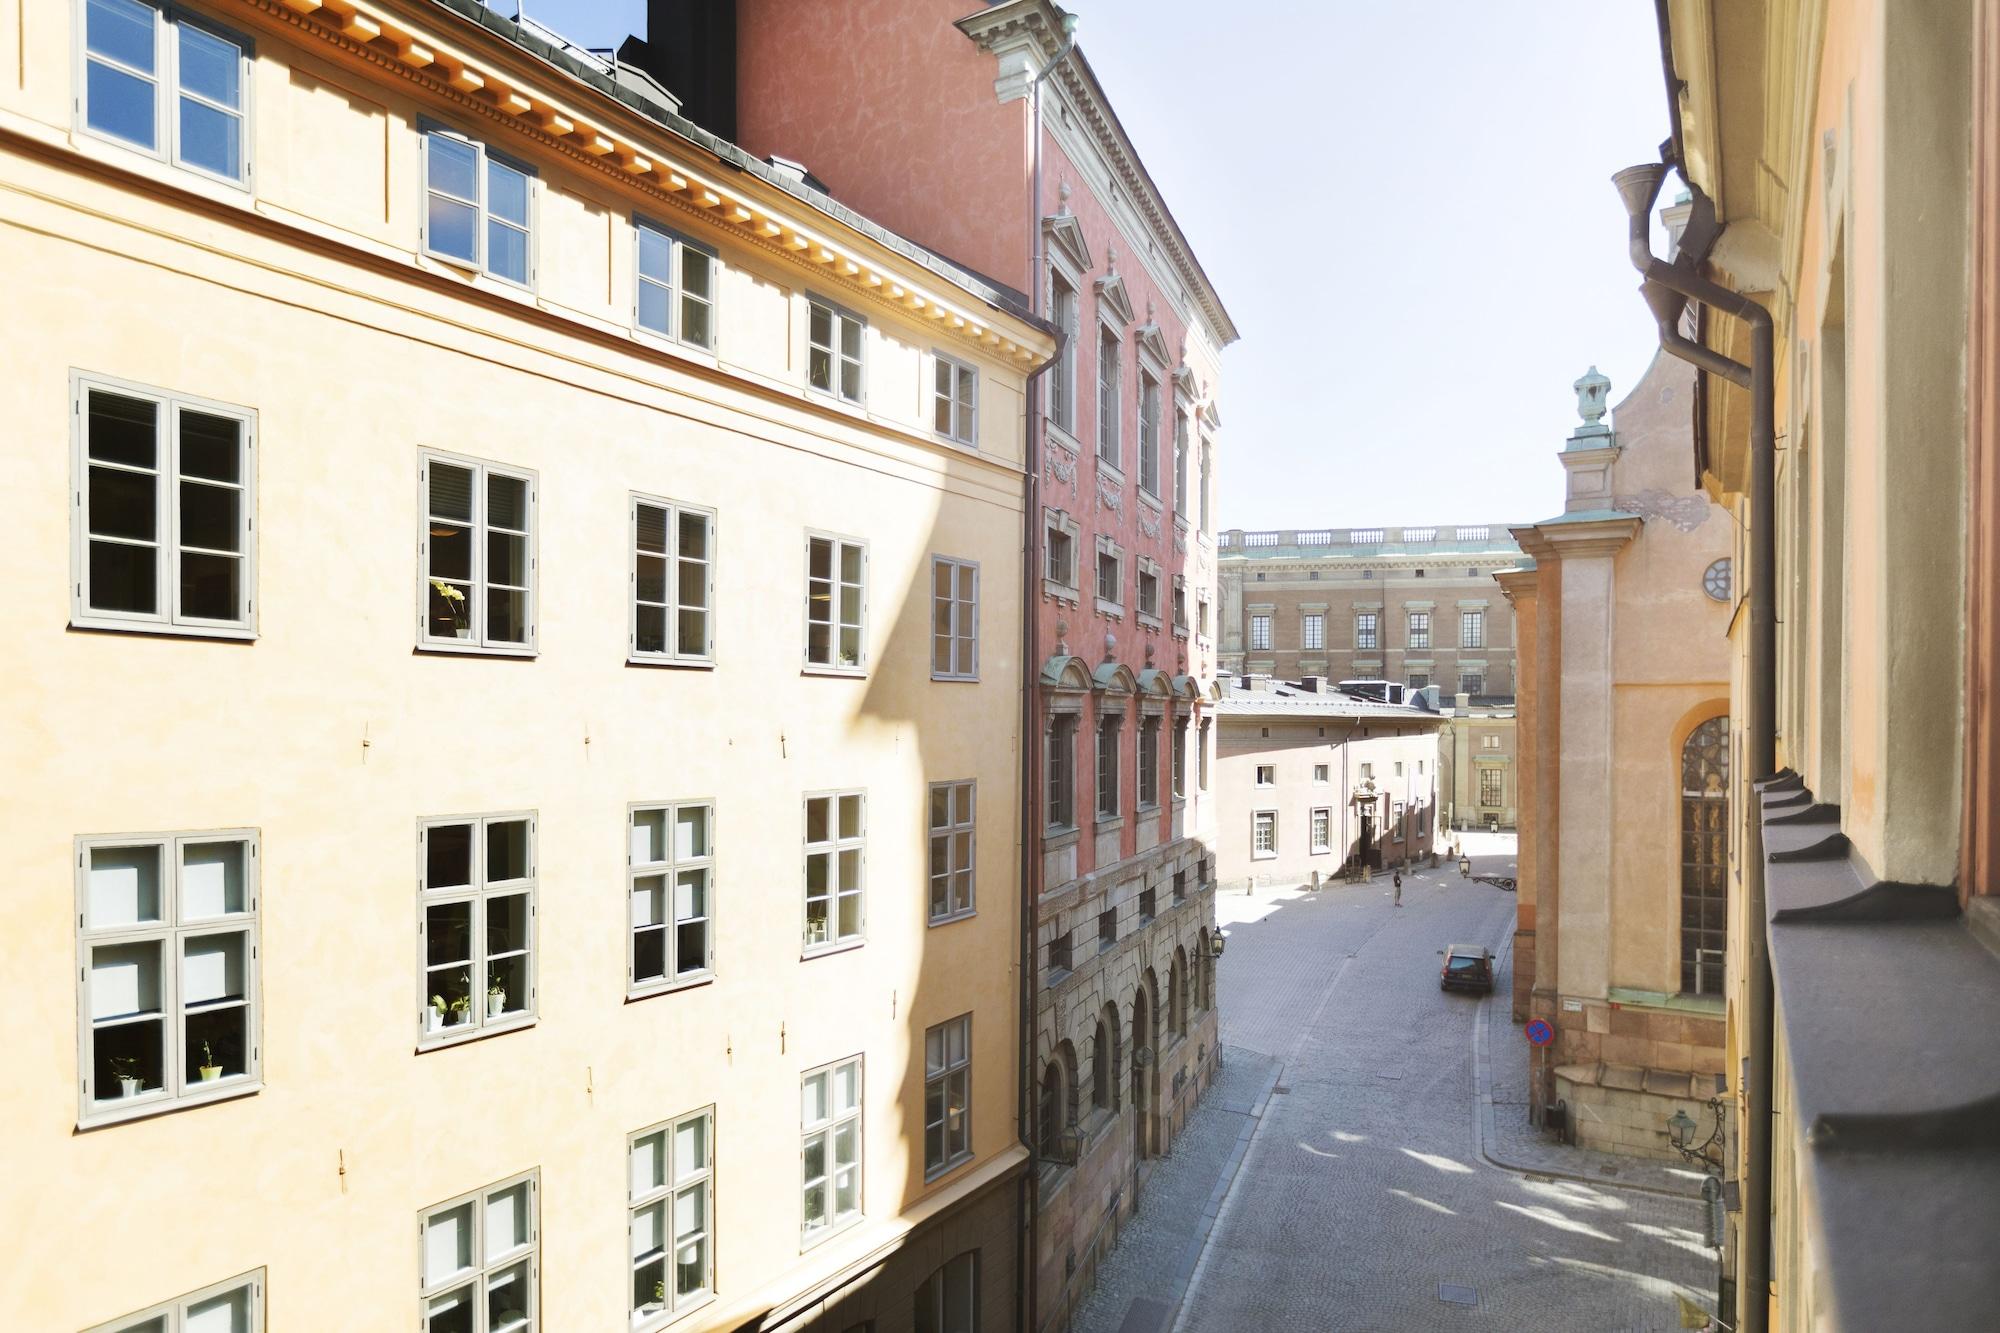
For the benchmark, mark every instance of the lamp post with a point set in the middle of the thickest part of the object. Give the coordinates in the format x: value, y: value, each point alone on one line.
x: 1680, y: 1132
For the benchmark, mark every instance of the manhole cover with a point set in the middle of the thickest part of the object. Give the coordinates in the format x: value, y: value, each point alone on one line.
x: 1457, y: 1295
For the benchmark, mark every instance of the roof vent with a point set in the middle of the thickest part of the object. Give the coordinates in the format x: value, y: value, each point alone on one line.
x: 785, y: 166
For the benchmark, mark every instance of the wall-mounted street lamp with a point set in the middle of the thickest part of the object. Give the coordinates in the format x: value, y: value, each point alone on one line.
x: 1681, y: 1128
x: 1215, y: 944
x: 1465, y: 866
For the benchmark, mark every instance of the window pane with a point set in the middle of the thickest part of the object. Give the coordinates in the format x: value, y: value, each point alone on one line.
x: 649, y: 1166
x: 655, y: 255
x: 847, y: 1087
x: 447, y: 856
x: 691, y: 1267
x: 210, y: 66
x: 211, y: 446
x: 123, y: 504
x: 506, y: 616
x: 123, y: 578
x: 453, y: 228
x: 690, y: 1147
x: 507, y: 1299
x: 506, y: 251
x: 123, y: 430
x: 123, y: 30
x: 850, y: 563
x: 454, y: 167
x: 850, y: 816
x: 649, y: 836
x: 211, y: 139
x: 506, y: 1220
x: 850, y: 380
x: 653, y: 307
x: 119, y: 103
x: 450, y: 1313
x: 215, y: 1040
x: 210, y: 518
x: 507, y: 503
x: 447, y: 1243
x: 212, y: 968
x: 227, y: 1313
x: 850, y: 338
x: 124, y: 979
x: 695, y: 322
x: 124, y: 886
x: 821, y: 327
x: 507, y: 559
x: 691, y: 831
x: 696, y: 267
x: 819, y: 369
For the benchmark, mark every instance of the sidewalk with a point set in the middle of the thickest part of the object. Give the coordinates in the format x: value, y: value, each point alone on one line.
x: 1139, y: 1289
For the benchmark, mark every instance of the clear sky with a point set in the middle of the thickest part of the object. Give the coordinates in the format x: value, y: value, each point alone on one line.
x: 1406, y: 206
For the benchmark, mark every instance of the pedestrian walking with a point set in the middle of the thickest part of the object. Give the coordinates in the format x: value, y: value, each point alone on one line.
x: 1399, y: 888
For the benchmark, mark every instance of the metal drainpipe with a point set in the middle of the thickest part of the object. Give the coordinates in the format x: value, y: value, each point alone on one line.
x: 1028, y: 1263
x: 1664, y: 289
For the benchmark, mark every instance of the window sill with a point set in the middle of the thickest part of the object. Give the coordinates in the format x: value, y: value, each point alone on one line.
x: 858, y: 406
x: 695, y: 352
x: 1150, y: 500
x: 948, y: 678
x: 933, y: 1174
x: 1056, y: 838
x: 846, y: 672
x: 1067, y: 592
x: 692, y: 981
x: 112, y: 1113
x: 667, y: 1317
x: 1116, y: 610
x: 812, y: 951
x: 107, y: 625
x: 953, y: 917
x: 1056, y: 976
x: 827, y: 1233
x: 1150, y: 622
x: 1110, y: 469
x: 680, y: 663
x: 1263, y: 856
x: 1109, y: 823
x: 1147, y: 808
x: 443, y: 1039
x: 1061, y: 435
x: 458, y: 648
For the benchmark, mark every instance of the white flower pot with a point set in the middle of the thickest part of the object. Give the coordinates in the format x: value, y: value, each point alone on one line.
x: 434, y: 1020
x: 130, y: 1087
x: 210, y: 1073
x: 495, y: 1005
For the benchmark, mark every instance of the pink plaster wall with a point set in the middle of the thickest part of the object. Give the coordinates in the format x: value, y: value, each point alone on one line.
x: 894, y: 109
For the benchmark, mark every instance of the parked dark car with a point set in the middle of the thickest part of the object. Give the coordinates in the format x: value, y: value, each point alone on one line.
x: 1467, y: 967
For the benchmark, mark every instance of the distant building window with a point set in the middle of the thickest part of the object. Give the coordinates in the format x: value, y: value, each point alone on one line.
x: 1267, y: 775
x: 835, y: 848
x: 671, y: 1198
x: 1419, y: 680
x: 1260, y: 633
x: 1367, y: 771
x: 1180, y: 461
x: 1489, y: 740
x: 1313, y: 630
x: 1365, y: 630
x: 947, y: 1095
x: 671, y: 868
x: 1062, y: 772
x: 1107, y: 397
x: 477, y: 555
x: 954, y: 619
x: 1061, y: 558
x: 1472, y: 629
x: 1420, y: 629
x: 833, y: 351
x: 1207, y: 465
x: 1201, y: 756
x: 954, y: 400
x: 163, y: 502
x: 1149, y: 434
x: 1148, y: 903
x: 836, y: 574
x: 830, y: 1149
x: 670, y: 264
x: 1179, y: 765
x: 1704, y: 857
x: 1180, y: 604
x: 480, y: 1256
x: 1060, y: 959
x: 1062, y: 378
x: 1201, y: 616
x: 1472, y: 683
x: 1149, y: 762
x: 167, y: 83
x: 1715, y: 580
x: 1322, y: 830
x: 1321, y: 774
x: 673, y: 581
x: 1107, y: 928
x: 1110, y: 576
x: 952, y: 853
x: 1264, y: 833
x: 1149, y: 590
x: 1492, y: 786
x: 476, y: 207
x: 1107, y: 767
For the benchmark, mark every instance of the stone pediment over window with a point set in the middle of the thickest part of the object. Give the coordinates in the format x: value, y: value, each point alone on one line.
x: 1065, y: 672
x: 1155, y: 682
x: 1153, y: 345
x: 1211, y: 416
x: 1065, y: 236
x: 1116, y: 678
x: 1184, y: 385
x: 1113, y: 299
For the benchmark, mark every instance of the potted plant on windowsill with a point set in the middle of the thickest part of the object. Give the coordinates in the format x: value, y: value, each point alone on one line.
x: 436, y: 1019
x: 125, y: 1069
x: 659, y: 1301
x: 209, y: 1070
x: 496, y: 1000
x: 815, y: 932
x: 461, y: 1011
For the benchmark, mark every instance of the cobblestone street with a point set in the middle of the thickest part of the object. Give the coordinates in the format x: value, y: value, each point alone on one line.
x: 1337, y: 1177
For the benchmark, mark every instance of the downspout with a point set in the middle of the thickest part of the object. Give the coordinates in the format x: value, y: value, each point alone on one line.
x: 1667, y: 289
x: 1027, y: 1261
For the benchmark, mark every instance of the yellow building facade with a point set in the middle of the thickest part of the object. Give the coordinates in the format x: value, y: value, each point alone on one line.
x: 513, y: 699
x: 1840, y: 257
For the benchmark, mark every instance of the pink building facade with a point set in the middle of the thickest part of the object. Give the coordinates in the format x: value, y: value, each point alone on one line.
x: 988, y: 139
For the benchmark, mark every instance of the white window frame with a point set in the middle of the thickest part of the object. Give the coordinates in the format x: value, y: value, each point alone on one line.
x: 1149, y: 432
x: 1110, y: 384
x: 174, y: 1314
x: 1149, y: 767
x: 167, y: 89
x: 961, y: 406
x: 1267, y: 775
x: 166, y: 617
x: 171, y: 932
x: 833, y: 666
x: 944, y: 1072
x: 838, y: 317
x: 1322, y: 774
x: 670, y: 870
x: 675, y: 289
x: 1321, y: 826
x: 1418, y: 629
x: 957, y: 839
x: 831, y: 847
x: 479, y: 260
x: 484, y: 1267
x: 1312, y: 631
x: 826, y: 1130
x: 1263, y: 835
x: 1498, y: 778
x: 1367, y: 630
x: 480, y: 642
x: 1474, y: 677
x: 676, y: 653
x: 937, y: 1310
x: 1106, y: 798
x: 1182, y: 435
x: 697, y: 1180
x: 480, y: 892
x: 958, y: 612
x: 1114, y: 605
x: 1061, y: 410
x: 1060, y: 521
x: 1260, y: 632
x: 1143, y: 569
x: 1472, y: 629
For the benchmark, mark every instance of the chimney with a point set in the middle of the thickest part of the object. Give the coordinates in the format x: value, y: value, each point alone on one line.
x: 690, y: 49
x: 1464, y: 701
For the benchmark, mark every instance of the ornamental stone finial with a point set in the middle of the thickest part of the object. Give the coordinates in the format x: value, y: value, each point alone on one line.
x: 1149, y: 653
x: 1111, y: 256
x: 1062, y: 196
x: 1110, y: 645
x: 1593, y: 391
x: 1062, y: 637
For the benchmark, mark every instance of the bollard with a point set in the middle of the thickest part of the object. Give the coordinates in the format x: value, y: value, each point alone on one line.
x: 1315, y: 881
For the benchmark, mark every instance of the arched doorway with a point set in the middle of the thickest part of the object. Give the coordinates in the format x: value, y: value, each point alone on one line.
x: 1705, y: 857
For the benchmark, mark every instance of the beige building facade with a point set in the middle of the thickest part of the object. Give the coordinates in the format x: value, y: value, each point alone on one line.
x: 514, y: 675
x: 1844, y: 253
x: 1624, y: 735
x: 1480, y: 783
x: 1413, y: 605
x: 1312, y: 784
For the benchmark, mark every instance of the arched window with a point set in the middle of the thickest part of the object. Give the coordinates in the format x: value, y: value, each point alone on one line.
x: 1202, y: 981
x: 1057, y: 1108
x: 1104, y: 1065
x: 1704, y: 857
x: 1177, y: 986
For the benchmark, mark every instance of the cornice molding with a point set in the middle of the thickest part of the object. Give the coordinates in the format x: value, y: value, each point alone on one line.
x: 596, y: 140
x: 1037, y: 26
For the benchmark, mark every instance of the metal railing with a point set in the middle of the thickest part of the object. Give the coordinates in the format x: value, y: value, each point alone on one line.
x: 1322, y: 539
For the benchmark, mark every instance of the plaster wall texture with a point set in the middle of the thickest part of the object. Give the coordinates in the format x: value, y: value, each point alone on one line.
x: 1585, y: 847
x: 332, y: 737
x: 1293, y: 750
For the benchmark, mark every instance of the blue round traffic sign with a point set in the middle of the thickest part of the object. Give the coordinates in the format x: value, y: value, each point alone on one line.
x: 1540, y: 1033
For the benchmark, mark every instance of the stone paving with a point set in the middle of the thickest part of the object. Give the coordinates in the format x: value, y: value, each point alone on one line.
x: 1364, y: 1198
